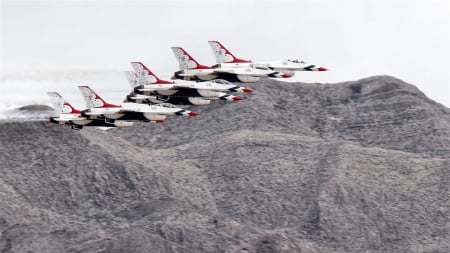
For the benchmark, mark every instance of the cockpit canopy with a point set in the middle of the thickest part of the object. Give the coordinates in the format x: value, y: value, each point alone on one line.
x: 296, y: 61
x: 259, y: 66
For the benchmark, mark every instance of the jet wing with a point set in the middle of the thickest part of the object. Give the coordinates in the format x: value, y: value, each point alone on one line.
x: 182, y: 85
x: 243, y: 71
x: 207, y: 85
x: 194, y: 85
x: 75, y: 120
x: 189, y: 74
x: 104, y: 111
x: 69, y: 117
x: 140, y: 96
x: 156, y: 87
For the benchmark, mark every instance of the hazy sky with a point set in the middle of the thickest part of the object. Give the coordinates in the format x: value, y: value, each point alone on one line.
x: 353, y: 38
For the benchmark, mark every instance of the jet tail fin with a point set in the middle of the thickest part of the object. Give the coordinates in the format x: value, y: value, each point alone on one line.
x: 61, y: 105
x: 145, y: 75
x: 185, y: 60
x: 223, y: 55
x: 93, y: 100
x: 132, y: 79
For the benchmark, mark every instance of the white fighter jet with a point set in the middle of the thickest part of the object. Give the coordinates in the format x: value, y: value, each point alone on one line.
x: 148, y: 87
x: 190, y: 69
x: 226, y: 59
x: 68, y: 115
x: 99, y: 108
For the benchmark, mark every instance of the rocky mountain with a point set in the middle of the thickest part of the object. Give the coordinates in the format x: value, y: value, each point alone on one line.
x: 359, y: 166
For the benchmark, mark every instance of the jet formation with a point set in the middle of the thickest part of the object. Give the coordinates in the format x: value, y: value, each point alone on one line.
x: 152, y: 99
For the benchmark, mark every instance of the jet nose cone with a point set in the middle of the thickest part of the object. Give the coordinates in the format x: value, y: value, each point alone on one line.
x: 192, y: 114
x: 322, y: 69
x: 237, y: 98
x: 286, y: 75
x: 247, y: 90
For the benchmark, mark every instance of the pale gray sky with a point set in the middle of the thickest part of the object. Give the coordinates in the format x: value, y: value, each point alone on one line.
x: 353, y: 38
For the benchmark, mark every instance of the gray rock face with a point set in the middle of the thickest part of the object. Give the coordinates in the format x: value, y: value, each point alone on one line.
x: 351, y: 167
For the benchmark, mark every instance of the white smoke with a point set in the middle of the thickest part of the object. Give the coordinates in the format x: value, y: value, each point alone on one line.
x: 23, y: 115
x: 24, y: 88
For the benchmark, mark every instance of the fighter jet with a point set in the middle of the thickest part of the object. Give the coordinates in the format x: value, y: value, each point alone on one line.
x: 99, y: 108
x: 190, y: 69
x: 227, y: 59
x: 68, y: 115
x: 148, y: 88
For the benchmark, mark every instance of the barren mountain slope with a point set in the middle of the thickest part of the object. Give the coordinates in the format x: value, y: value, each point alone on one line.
x: 379, y: 111
x: 352, y: 167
